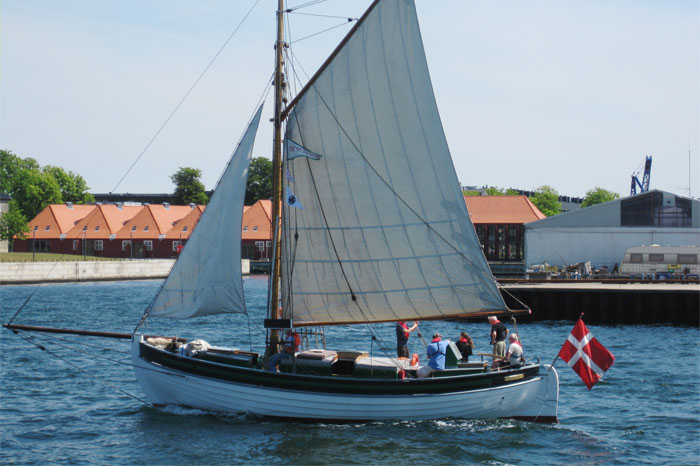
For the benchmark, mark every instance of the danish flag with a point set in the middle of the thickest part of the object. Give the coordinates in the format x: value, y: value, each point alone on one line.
x: 583, y: 353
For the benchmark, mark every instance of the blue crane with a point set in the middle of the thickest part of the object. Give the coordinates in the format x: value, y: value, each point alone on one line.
x: 644, y: 185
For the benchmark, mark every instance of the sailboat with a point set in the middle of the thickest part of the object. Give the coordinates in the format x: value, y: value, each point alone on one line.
x: 370, y: 226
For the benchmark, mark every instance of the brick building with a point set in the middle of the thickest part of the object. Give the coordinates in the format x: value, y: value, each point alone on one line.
x: 135, y: 231
x: 499, y: 223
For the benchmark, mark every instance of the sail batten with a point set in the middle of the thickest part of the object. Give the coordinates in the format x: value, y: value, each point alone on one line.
x: 384, y: 234
x: 206, y: 279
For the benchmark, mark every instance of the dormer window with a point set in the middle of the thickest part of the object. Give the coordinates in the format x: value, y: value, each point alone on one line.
x: 133, y: 228
x: 48, y: 227
x: 255, y: 228
x: 36, y: 227
x: 245, y: 228
x: 145, y: 228
x: 85, y: 228
x: 184, y: 228
x: 97, y: 228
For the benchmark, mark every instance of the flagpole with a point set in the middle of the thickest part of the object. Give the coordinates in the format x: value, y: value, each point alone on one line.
x: 555, y: 359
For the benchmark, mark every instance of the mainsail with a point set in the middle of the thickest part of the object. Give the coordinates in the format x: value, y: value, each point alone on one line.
x: 206, y: 279
x: 384, y: 234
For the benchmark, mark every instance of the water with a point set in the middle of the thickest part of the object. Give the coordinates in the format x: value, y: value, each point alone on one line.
x: 646, y: 410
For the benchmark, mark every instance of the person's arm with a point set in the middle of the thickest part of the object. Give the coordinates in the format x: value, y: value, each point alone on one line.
x: 493, y: 336
x: 413, y: 327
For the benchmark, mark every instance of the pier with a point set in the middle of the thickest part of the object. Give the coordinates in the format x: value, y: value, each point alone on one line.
x: 608, y: 301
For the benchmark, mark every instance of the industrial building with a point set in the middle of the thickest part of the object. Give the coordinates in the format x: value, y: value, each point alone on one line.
x: 601, y: 234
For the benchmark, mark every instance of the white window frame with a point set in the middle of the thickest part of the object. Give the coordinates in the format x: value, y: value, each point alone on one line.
x: 176, y: 244
x: 260, y: 246
x: 99, y: 245
x: 125, y: 243
x: 148, y: 244
x: 75, y: 245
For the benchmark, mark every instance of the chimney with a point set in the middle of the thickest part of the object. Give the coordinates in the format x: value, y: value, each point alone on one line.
x: 166, y: 205
x: 192, y: 205
x: 69, y: 205
x: 119, y: 205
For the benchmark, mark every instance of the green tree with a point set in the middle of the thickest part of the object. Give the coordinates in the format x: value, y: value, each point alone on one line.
x: 73, y: 187
x: 546, y: 199
x: 188, y: 187
x: 33, y: 190
x: 598, y: 195
x: 13, y: 223
x: 259, y: 180
x: 10, y: 166
x: 512, y: 192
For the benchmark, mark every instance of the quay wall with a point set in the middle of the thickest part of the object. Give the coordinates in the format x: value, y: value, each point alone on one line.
x: 609, y: 305
x: 15, y: 273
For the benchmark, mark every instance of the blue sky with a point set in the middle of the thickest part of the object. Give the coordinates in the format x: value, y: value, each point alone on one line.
x: 570, y: 94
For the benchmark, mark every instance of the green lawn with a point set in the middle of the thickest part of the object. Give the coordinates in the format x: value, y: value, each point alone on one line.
x: 47, y: 257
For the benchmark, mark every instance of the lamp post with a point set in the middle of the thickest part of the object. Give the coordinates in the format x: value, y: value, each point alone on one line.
x: 84, y: 245
x: 33, y: 244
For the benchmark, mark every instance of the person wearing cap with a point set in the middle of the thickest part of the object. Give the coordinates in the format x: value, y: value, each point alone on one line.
x: 436, y: 354
x: 498, y: 336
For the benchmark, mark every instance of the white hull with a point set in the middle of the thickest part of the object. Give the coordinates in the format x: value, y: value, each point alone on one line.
x: 533, y: 399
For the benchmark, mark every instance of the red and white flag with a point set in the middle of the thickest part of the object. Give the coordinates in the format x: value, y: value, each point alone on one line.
x: 584, y: 354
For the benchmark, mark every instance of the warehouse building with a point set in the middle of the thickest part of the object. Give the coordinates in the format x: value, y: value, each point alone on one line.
x: 602, y: 233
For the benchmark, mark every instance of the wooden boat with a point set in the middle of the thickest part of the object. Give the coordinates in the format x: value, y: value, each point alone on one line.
x: 370, y: 227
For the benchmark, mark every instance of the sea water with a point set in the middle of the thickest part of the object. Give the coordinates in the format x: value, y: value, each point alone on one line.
x: 76, y: 401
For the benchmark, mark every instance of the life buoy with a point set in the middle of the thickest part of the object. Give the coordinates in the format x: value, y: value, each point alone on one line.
x: 415, y: 359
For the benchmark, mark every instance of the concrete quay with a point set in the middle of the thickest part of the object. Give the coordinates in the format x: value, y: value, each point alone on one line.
x: 608, y: 303
x: 18, y: 273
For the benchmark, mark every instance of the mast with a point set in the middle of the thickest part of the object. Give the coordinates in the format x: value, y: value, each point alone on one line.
x: 274, y: 311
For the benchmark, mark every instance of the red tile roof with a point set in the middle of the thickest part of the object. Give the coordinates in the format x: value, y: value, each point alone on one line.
x: 182, y: 229
x: 502, y: 209
x: 257, y: 221
x: 59, y: 218
x: 152, y: 221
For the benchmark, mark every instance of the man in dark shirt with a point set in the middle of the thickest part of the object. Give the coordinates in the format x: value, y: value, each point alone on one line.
x: 402, y: 333
x: 498, y: 336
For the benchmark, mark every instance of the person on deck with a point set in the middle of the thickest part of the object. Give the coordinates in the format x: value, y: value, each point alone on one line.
x: 291, y: 346
x: 402, y: 333
x: 514, y: 355
x: 436, y: 354
x: 498, y: 336
x: 465, y: 345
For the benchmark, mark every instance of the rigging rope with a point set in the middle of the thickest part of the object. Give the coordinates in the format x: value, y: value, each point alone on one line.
x: 187, y: 94
x: 31, y: 339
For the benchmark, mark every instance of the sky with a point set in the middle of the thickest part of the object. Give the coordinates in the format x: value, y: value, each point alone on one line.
x: 568, y: 94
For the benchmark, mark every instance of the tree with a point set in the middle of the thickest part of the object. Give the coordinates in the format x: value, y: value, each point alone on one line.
x: 73, y: 187
x: 598, y: 195
x: 33, y: 190
x: 259, y: 180
x: 13, y: 223
x: 546, y: 199
x: 188, y: 187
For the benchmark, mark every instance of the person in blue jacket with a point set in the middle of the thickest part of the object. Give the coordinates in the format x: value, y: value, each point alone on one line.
x: 436, y: 355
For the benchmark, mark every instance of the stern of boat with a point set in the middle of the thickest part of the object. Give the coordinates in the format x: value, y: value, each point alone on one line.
x: 545, y: 405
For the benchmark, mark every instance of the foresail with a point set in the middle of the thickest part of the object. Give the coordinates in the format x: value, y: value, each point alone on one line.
x: 206, y: 279
x: 384, y: 233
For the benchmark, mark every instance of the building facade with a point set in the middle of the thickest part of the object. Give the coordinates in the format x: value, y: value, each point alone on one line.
x: 601, y: 234
x: 135, y: 231
x: 499, y: 224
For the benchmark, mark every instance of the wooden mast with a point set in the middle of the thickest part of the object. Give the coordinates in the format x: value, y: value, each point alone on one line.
x: 274, y: 311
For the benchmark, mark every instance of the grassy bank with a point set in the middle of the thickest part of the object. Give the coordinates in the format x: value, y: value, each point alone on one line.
x: 47, y: 257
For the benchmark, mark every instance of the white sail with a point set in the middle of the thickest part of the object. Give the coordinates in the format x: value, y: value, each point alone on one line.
x: 206, y: 279
x: 384, y: 219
